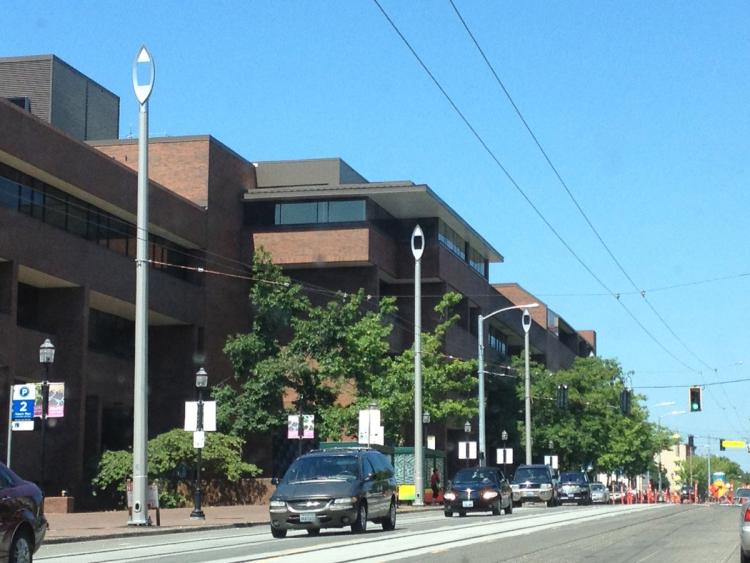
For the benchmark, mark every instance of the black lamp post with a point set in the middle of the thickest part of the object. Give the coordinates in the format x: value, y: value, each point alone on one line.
x: 426, y: 418
x: 46, y: 358
x: 467, y: 430
x: 504, y: 438
x: 201, y: 382
x: 300, y: 430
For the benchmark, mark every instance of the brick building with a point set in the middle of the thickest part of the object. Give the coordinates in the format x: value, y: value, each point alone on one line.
x: 67, y: 272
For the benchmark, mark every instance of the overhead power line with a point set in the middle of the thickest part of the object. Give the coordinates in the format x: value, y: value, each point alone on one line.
x: 520, y: 190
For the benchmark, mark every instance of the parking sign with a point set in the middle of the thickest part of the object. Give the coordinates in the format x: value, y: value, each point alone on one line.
x: 23, y: 402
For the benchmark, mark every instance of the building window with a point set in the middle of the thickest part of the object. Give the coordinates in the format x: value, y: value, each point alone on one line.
x: 450, y: 240
x: 498, y: 341
x: 59, y: 209
x: 477, y: 262
x: 317, y: 212
x: 110, y: 334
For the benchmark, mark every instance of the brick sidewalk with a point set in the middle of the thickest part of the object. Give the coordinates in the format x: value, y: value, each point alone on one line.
x: 79, y: 526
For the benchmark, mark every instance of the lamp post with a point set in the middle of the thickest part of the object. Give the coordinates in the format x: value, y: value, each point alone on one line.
x: 201, y: 382
x: 467, y: 430
x: 480, y: 357
x: 139, y: 514
x: 46, y: 358
x: 300, y: 423
x: 417, y: 248
x: 504, y: 438
x: 426, y: 418
x: 370, y: 406
x: 526, y: 322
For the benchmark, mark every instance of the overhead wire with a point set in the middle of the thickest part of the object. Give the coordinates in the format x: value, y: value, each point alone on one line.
x: 572, y: 197
x: 521, y: 191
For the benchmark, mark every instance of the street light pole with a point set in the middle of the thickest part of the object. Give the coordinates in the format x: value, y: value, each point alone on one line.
x: 467, y: 430
x: 526, y: 322
x: 504, y: 437
x: 480, y: 375
x: 46, y: 358
x: 417, y: 248
x: 201, y: 382
x: 139, y: 514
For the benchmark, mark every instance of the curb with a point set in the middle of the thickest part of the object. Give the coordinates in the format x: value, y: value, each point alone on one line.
x: 162, y: 530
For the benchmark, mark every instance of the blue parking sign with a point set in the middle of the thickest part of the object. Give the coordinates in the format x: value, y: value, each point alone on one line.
x: 23, y: 410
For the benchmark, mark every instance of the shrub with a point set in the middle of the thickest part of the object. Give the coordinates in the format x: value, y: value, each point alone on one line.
x: 172, y: 459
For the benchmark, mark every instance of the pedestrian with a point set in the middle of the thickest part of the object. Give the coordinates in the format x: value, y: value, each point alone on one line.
x: 435, y: 484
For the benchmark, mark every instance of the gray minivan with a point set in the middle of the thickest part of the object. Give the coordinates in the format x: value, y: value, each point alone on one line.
x: 335, y: 488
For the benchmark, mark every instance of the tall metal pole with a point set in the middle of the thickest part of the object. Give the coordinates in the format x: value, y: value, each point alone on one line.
x: 10, y: 426
x: 45, y: 407
x: 417, y: 248
x: 526, y: 321
x: 197, y: 513
x: 660, y: 449
x: 480, y: 359
x: 300, y: 430
x: 480, y: 374
x: 139, y: 514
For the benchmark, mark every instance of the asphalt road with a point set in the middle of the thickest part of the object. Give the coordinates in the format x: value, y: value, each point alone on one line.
x: 662, y: 533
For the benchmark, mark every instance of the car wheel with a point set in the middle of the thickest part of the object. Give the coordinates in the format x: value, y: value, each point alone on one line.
x: 278, y: 533
x: 551, y: 503
x: 516, y: 504
x: 509, y: 509
x: 496, y: 510
x: 744, y: 557
x: 389, y: 522
x: 449, y: 514
x: 462, y: 513
x: 313, y: 531
x: 359, y: 526
x: 20, y: 549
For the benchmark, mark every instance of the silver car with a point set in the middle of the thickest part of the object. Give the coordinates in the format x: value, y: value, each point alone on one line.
x: 599, y: 493
x: 745, y: 533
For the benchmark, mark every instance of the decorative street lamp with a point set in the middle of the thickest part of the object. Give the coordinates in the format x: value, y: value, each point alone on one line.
x: 139, y: 515
x: 504, y: 438
x: 526, y: 323
x: 201, y: 382
x: 46, y: 358
x: 480, y: 355
x: 467, y: 430
x: 417, y: 248
x: 425, y: 421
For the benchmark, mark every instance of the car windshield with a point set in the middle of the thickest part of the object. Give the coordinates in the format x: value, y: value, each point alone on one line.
x: 475, y: 476
x: 597, y: 487
x: 531, y: 474
x: 745, y: 493
x: 572, y: 478
x: 323, y: 468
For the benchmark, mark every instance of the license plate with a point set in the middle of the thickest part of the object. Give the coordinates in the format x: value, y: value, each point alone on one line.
x: 307, y: 517
x: 467, y: 503
x: 528, y: 493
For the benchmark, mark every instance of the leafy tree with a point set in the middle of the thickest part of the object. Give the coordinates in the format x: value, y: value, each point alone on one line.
x: 591, y: 431
x: 448, y: 384
x: 313, y: 351
x: 697, y: 466
x: 221, y: 460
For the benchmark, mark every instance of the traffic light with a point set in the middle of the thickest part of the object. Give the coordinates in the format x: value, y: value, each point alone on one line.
x: 695, y: 399
x: 721, y: 444
x: 625, y: 401
x: 562, y: 396
x: 691, y: 444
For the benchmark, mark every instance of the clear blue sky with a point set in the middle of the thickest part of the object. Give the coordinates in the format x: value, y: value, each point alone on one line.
x: 643, y: 107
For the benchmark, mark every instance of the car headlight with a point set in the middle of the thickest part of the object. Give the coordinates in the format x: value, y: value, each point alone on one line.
x: 449, y: 496
x: 489, y: 495
x: 515, y: 487
x: 277, y: 504
x: 344, y: 503
x: 545, y: 486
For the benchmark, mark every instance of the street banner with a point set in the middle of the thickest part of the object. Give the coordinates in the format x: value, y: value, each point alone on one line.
x: 504, y: 455
x: 199, y: 439
x: 55, y: 400
x: 308, y: 427
x: 430, y: 442
x: 370, y: 430
x: 467, y: 450
x: 551, y: 460
x: 209, y: 416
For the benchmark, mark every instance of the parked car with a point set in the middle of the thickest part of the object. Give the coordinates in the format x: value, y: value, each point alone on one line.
x: 599, y: 493
x: 22, y: 521
x: 575, y: 487
x: 478, y: 489
x: 534, y: 483
x: 333, y: 489
x: 741, y: 495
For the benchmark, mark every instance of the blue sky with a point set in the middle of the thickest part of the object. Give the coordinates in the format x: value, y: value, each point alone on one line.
x: 642, y: 107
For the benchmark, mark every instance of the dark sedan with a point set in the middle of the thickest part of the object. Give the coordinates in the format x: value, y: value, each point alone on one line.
x: 478, y: 489
x: 22, y: 521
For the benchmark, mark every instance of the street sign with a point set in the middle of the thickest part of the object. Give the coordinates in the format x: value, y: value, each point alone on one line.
x: 504, y: 455
x: 551, y: 460
x: 733, y: 444
x: 199, y: 439
x: 467, y: 450
x: 22, y: 425
x: 370, y: 429
x: 22, y: 407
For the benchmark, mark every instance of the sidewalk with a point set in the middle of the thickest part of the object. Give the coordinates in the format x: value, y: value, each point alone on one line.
x: 80, y: 526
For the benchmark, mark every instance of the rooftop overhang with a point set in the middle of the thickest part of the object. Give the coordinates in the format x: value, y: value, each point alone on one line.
x: 403, y: 200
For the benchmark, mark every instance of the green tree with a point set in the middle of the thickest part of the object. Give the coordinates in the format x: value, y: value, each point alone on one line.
x: 697, y: 466
x: 448, y: 383
x: 313, y: 351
